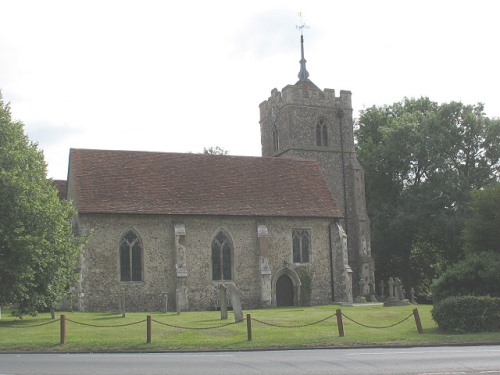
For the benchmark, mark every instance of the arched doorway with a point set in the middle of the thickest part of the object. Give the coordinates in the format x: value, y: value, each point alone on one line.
x: 284, y: 291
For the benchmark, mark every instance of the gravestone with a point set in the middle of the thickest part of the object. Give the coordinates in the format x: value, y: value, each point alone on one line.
x: 361, y: 298
x: 398, y: 289
x: 413, y: 300
x: 165, y: 299
x: 372, y: 297
x: 236, y: 302
x: 223, y: 301
x: 396, y: 295
x: 122, y: 303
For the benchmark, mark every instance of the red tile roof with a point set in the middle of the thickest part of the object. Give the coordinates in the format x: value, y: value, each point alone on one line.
x: 62, y: 188
x: 172, y: 183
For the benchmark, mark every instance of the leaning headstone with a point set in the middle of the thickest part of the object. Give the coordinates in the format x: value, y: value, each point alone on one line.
x: 236, y: 303
x: 223, y: 301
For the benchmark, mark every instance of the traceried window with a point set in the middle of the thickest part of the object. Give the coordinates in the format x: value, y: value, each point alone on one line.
x: 301, y: 245
x: 321, y: 133
x: 130, y: 257
x: 221, y: 258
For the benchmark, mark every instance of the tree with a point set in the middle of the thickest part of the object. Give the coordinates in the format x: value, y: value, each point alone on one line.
x: 215, y: 151
x: 482, y: 226
x: 38, y: 248
x: 477, y: 274
x: 421, y: 162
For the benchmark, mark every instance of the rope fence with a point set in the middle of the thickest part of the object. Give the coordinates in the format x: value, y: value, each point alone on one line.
x: 378, y: 327
x: 13, y: 325
x: 105, y: 326
x: 149, y: 322
x: 194, y: 328
x: 293, y: 326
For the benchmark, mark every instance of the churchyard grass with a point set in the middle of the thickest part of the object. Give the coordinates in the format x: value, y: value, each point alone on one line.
x: 113, y: 334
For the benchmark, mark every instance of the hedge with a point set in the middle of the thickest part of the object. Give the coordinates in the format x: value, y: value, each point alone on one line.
x: 478, y: 274
x: 467, y: 314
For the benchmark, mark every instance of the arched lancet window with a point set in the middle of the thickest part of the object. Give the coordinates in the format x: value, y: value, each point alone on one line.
x: 275, y: 139
x: 221, y: 257
x: 321, y: 133
x: 301, y: 245
x: 130, y: 257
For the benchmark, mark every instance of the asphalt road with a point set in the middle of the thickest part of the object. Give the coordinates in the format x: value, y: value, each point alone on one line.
x: 423, y: 361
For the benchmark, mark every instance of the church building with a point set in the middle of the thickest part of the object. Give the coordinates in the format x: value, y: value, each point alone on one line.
x: 290, y: 228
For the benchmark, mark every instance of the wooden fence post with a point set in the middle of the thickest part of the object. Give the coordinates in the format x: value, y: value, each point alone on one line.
x: 63, y: 329
x: 148, y: 329
x: 340, y: 324
x: 417, y: 321
x: 249, y: 327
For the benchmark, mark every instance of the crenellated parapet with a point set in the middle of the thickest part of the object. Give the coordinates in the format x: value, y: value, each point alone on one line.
x: 305, y: 94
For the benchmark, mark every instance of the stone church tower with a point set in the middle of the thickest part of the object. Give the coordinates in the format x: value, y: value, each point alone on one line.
x: 303, y: 121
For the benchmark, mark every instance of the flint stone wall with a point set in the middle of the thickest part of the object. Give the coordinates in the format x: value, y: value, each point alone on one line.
x: 100, y: 288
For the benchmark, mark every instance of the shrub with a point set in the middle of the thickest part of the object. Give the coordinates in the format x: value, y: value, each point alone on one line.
x: 476, y: 275
x: 467, y: 314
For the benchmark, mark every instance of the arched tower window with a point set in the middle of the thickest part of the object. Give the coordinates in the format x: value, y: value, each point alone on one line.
x: 321, y: 133
x: 130, y: 257
x: 275, y: 139
x: 221, y: 257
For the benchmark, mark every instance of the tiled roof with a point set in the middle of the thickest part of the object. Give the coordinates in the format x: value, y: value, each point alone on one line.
x: 173, y: 183
x: 62, y: 188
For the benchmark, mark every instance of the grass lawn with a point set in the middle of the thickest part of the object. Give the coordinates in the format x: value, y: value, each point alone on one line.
x: 111, y: 332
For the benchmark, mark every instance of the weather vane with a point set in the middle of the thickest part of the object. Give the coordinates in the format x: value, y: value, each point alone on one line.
x: 302, y: 25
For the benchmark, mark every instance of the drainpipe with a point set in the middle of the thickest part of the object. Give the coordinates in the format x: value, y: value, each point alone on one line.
x: 331, y: 259
x: 341, y: 115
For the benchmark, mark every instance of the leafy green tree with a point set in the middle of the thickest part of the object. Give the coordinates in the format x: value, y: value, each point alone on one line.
x: 215, y: 151
x: 476, y: 275
x: 421, y: 162
x: 482, y: 227
x: 426, y: 263
x: 38, y: 248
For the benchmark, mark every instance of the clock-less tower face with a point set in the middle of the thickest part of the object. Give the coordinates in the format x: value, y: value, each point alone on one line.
x: 305, y: 122
x: 303, y: 116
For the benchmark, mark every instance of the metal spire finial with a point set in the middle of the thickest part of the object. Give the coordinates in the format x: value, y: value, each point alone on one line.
x: 303, y: 74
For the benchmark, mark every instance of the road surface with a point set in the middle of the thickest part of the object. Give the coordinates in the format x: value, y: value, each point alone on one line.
x: 484, y: 360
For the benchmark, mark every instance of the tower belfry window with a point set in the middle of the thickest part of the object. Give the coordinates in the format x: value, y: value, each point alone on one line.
x: 321, y: 134
x: 275, y: 139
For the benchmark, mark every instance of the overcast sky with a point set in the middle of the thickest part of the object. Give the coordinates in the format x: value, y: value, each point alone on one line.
x: 178, y: 76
